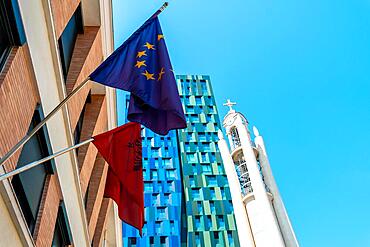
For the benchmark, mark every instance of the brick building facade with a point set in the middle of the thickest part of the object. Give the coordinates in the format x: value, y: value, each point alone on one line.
x: 47, y: 48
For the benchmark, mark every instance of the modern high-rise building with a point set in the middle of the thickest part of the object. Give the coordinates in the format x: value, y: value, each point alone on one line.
x: 208, y: 213
x: 260, y: 213
x: 162, y: 192
x: 186, y: 192
x: 47, y: 48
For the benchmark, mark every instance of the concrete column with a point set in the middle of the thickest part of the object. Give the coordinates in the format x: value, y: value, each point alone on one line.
x: 241, y: 217
x: 280, y: 211
x: 266, y: 230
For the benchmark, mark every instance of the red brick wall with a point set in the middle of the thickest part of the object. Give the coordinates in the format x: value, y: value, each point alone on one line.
x: 62, y: 11
x: 47, y: 216
x: 96, y: 193
x: 18, y: 99
x: 95, y: 122
x: 87, y: 55
x: 102, y: 221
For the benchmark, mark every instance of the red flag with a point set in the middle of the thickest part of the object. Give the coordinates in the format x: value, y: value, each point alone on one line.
x: 121, y: 148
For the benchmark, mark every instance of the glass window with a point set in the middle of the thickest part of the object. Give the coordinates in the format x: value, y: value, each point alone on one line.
x: 11, y: 28
x: 4, y: 42
x: 196, y: 194
x: 29, y: 185
x: 191, y: 181
x: 68, y: 39
x: 206, y: 168
x: 197, y: 239
x: 200, y: 207
x: 148, y: 187
x: 235, y: 137
x: 170, y: 174
x: 230, y: 237
x: 154, y: 174
x: 204, y: 87
x: 78, y: 129
x: 191, y: 157
x: 161, y: 212
x: 221, y: 221
x: 62, y: 233
x: 212, y: 181
x: 212, y: 206
x: 197, y: 222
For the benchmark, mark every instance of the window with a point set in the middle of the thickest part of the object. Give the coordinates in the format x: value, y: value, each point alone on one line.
x: 11, y: 28
x: 148, y: 187
x: 29, y: 185
x: 212, y: 206
x: 221, y: 221
x: 154, y: 174
x: 161, y: 212
x: 132, y: 241
x: 200, y: 207
x: 198, y: 100
x: 78, y: 129
x: 62, y: 233
x: 191, y: 181
x: 196, y: 194
x: 158, y: 226
x: 191, y: 157
x: 235, y: 137
x: 163, y: 239
x: 206, y: 168
x: 197, y: 222
x: 68, y: 39
x: 209, y: 222
x: 202, y: 136
x: 197, y: 239
x: 204, y: 87
x: 212, y: 181
x: 230, y: 237
x: 170, y: 174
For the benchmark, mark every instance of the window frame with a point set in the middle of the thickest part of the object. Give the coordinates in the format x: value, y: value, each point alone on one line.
x: 11, y: 20
x: 49, y: 168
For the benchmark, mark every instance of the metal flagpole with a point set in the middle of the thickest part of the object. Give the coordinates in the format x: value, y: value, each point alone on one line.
x: 42, y: 123
x: 52, y: 113
x: 38, y: 162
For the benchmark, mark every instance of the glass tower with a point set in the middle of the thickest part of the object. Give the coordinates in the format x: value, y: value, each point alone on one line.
x: 208, y: 210
x: 162, y: 192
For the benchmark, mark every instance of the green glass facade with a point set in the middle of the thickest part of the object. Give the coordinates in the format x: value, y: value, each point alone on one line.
x: 208, y: 211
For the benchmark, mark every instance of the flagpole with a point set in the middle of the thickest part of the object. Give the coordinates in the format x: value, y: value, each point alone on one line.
x: 55, y: 110
x: 38, y: 162
x: 160, y: 10
x: 42, y: 123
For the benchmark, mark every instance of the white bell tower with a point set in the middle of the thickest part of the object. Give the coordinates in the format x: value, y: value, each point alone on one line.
x: 261, y: 218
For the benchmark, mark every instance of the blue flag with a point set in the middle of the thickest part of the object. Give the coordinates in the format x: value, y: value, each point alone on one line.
x: 141, y: 65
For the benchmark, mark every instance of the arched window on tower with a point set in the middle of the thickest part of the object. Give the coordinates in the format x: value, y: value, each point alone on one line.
x: 235, y: 137
x: 243, y: 174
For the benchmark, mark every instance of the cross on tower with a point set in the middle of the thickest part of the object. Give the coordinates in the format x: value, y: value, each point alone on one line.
x: 230, y: 104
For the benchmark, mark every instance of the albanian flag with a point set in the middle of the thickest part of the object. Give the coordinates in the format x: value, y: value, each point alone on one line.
x: 121, y: 149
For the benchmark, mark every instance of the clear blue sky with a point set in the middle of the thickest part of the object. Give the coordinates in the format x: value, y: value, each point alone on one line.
x: 300, y: 72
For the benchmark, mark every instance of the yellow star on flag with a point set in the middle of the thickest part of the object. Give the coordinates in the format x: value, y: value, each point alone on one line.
x: 160, y: 36
x: 140, y: 63
x: 141, y: 53
x: 148, y: 75
x: 160, y: 74
x: 149, y: 46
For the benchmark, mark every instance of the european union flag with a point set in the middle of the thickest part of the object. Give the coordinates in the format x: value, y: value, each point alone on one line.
x: 141, y: 65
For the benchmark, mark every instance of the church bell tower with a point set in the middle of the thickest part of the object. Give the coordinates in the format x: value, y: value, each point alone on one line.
x: 260, y: 214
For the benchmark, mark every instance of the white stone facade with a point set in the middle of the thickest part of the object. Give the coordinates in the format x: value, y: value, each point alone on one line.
x: 261, y: 217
